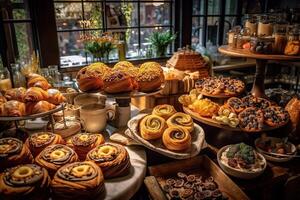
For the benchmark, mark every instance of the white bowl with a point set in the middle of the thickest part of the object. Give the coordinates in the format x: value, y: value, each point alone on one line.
x: 239, y: 173
x: 276, y: 158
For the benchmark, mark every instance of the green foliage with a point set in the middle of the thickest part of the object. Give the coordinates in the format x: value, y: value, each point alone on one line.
x: 243, y: 151
x: 161, y: 40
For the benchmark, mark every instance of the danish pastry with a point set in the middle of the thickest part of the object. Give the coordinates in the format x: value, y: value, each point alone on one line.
x: 13, y: 153
x: 251, y: 119
x: 79, y: 180
x: 152, y: 127
x: 176, y: 138
x: 276, y: 116
x: 165, y: 111
x: 82, y: 143
x: 113, y: 159
x: 182, y: 120
x: 118, y: 81
x: 28, y: 181
x: 55, y: 156
x: 236, y: 104
x: 149, y: 79
x: 89, y: 80
x: 38, y: 141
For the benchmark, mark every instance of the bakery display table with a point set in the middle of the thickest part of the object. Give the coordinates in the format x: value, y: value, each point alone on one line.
x: 258, y: 88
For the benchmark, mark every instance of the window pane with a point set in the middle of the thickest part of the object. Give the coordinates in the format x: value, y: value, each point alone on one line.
x: 197, y: 32
x: 213, y: 7
x: 71, y: 49
x: 121, y: 14
x: 155, y: 14
x: 212, y: 29
x: 231, y: 7
x: 93, y: 14
x: 68, y: 15
x: 198, y: 7
x: 24, y: 40
x: 20, y: 14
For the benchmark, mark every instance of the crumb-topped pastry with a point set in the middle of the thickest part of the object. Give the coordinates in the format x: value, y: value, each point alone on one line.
x: 118, y: 81
x: 149, y: 79
x: 13, y: 152
x: 113, y: 159
x: 28, y: 181
x: 89, y: 80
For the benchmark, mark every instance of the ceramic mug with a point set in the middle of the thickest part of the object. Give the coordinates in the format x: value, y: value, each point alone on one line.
x: 84, y: 99
x: 95, y: 116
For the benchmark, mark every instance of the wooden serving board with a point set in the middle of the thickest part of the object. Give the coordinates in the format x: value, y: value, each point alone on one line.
x: 199, y: 165
x: 157, y: 145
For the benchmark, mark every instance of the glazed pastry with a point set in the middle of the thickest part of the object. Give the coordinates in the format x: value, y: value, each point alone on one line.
x: 113, y: 159
x: 251, y: 119
x: 118, y: 81
x: 38, y: 141
x: 257, y: 102
x: 17, y: 94
x: 152, y: 127
x: 100, y: 68
x: 82, y: 143
x: 204, y: 107
x: 182, y: 120
x: 13, y: 153
x: 149, y: 79
x: 2, y: 100
x: 27, y: 181
x: 165, y: 111
x: 79, y: 180
x: 236, y: 104
x: 89, y: 80
x: 55, y: 156
x: 35, y: 94
x: 176, y: 138
x: 39, y: 107
x: 13, y: 109
x: 55, y: 96
x: 36, y: 80
x: 276, y: 116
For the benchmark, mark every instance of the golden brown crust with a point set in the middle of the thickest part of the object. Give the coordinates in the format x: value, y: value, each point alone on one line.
x: 35, y: 94
x: 38, y: 141
x: 276, y: 116
x: 176, y: 138
x: 236, y: 104
x: 82, y: 143
x: 181, y: 120
x: 13, y: 153
x: 152, y: 127
x: 2, y: 100
x: 165, y: 111
x: 89, y: 80
x: 55, y: 156
x: 122, y: 65
x: 13, y: 108
x: 55, y: 96
x: 17, y: 94
x: 113, y: 159
x: 36, y: 80
x: 79, y: 180
x: 28, y: 181
x: 251, y: 119
x: 293, y: 107
x: 38, y: 107
x: 118, y: 81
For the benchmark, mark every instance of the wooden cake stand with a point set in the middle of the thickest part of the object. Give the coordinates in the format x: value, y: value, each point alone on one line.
x: 258, y: 88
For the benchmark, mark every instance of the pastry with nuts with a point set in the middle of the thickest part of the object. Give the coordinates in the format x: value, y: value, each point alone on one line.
x: 149, y: 79
x: 117, y: 82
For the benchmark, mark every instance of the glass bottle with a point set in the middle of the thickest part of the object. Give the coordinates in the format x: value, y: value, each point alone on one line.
x: 293, y: 44
x: 18, y: 78
x: 5, y: 81
x: 230, y: 36
x: 280, y: 31
x: 251, y: 24
x: 54, y: 74
x: 265, y: 26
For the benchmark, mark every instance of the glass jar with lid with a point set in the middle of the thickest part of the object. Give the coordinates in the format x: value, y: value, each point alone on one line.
x: 265, y: 26
x: 243, y: 38
x: 18, y: 78
x: 293, y: 44
x: 280, y: 35
x: 251, y: 23
x: 5, y: 81
x: 232, y: 36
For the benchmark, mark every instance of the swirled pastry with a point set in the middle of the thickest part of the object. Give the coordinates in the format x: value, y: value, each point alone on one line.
x: 182, y: 120
x: 152, y: 127
x: 79, y: 180
x: 28, y: 181
x: 113, y: 159
x: 165, y: 111
x: 55, y: 156
x: 176, y: 138
x: 38, y: 141
x: 13, y: 152
x: 82, y: 143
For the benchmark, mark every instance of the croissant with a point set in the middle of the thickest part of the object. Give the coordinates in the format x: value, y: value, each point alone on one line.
x: 13, y: 109
x: 55, y: 96
x: 38, y: 107
x: 17, y: 94
x: 2, y: 100
x: 35, y: 94
x: 36, y: 80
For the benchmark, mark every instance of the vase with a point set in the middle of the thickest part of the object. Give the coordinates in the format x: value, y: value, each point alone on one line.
x: 161, y: 51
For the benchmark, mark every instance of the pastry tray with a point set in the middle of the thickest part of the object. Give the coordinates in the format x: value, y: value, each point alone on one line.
x: 199, y: 165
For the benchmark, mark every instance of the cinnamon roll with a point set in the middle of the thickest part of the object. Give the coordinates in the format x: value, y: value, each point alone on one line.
x: 176, y: 138
x: 82, y: 143
x: 55, y: 156
x: 28, y: 181
x: 165, y: 111
x: 113, y: 159
x: 152, y: 127
x: 79, y: 180
x: 13, y: 152
x: 182, y: 120
x: 38, y: 141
